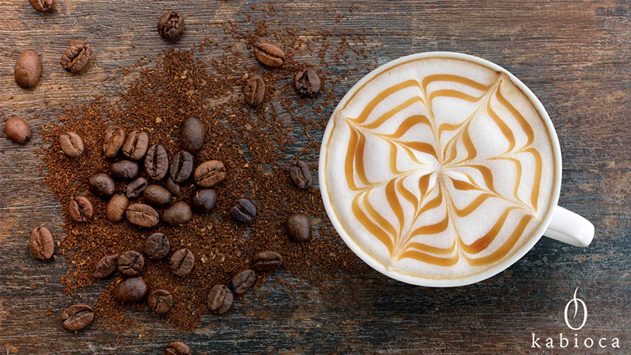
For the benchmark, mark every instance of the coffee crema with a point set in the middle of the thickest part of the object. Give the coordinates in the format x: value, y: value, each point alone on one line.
x: 439, y: 168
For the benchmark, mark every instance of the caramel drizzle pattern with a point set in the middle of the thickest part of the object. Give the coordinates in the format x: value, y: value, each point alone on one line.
x: 398, y: 238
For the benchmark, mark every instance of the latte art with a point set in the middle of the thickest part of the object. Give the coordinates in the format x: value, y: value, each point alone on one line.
x: 439, y: 168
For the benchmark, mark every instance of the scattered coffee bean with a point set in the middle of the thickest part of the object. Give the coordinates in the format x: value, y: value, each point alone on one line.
x: 181, y: 167
x: 157, y: 246
x: 173, y: 188
x: 299, y: 227
x: 124, y: 170
x: 267, y: 261
x: 219, y: 299
x: 42, y: 243
x: 142, y: 215
x: 157, y: 162
x: 17, y: 130
x: 300, y: 174
x: 28, y: 69
x: 80, y: 209
x: 116, y: 206
x: 71, y: 144
x: 177, y: 348
x: 157, y: 195
x: 136, y: 187
x: 77, y: 317
x: 269, y: 54
x: 308, y: 82
x: 242, y: 281
x: 179, y: 213
x: 254, y: 91
x: 203, y: 200
x: 102, y: 185
x: 42, y: 5
x: 76, y: 57
x: 170, y: 25
x: 192, y: 134
x: 106, y: 266
x: 209, y: 173
x: 136, y: 145
x: 114, y: 139
x: 182, y: 262
x: 131, y: 263
x: 160, y: 301
x: 131, y: 290
x: 244, y: 211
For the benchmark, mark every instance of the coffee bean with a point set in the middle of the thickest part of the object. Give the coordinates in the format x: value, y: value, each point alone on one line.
x: 136, y: 145
x: 170, y: 25
x: 114, y: 139
x: 76, y: 57
x: 242, y: 281
x: 209, y: 173
x: 77, y: 317
x: 300, y: 174
x: 42, y: 243
x: 131, y: 290
x: 254, y: 91
x: 131, y: 263
x: 42, y: 5
x: 267, y: 261
x: 157, y: 195
x: 269, y: 54
x: 17, y: 130
x: 177, y: 348
x: 299, y: 227
x: 182, y: 262
x: 160, y: 301
x: 157, y: 246
x: 142, y: 215
x: 173, y: 188
x: 106, y: 266
x: 157, y: 162
x: 136, y: 187
x: 181, y: 167
x: 80, y: 209
x: 244, y: 211
x: 179, y: 213
x: 115, y: 210
x: 28, y: 69
x: 102, y: 185
x: 192, y: 134
x: 124, y: 170
x: 219, y: 299
x: 308, y: 82
x: 203, y: 200
x: 71, y: 144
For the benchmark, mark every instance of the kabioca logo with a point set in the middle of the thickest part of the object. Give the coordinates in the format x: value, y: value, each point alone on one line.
x: 575, y: 314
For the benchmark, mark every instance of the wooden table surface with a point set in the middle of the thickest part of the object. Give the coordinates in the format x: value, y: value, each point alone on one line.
x: 574, y: 55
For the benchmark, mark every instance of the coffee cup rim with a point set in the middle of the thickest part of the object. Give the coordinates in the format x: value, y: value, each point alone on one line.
x: 430, y: 282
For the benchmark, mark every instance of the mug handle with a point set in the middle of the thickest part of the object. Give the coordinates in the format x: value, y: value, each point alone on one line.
x: 570, y: 228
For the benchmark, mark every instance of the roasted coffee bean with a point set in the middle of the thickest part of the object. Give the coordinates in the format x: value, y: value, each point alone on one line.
x: 170, y: 25
x: 179, y: 213
x: 102, y: 185
x: 242, y: 281
x: 17, y: 130
x: 28, y: 69
x: 254, y: 91
x: 192, y: 134
x: 80, y: 209
x: 116, y: 206
x: 157, y: 195
x: 177, y: 348
x: 203, y: 200
x: 308, y: 82
x: 142, y: 215
x: 182, y: 262
x: 160, y: 301
x: 244, y: 211
x: 267, y: 261
x: 106, y: 266
x: 209, y: 173
x: 124, y: 170
x: 157, y: 162
x: 76, y: 57
x: 42, y: 243
x: 299, y: 227
x: 173, y: 188
x: 300, y: 174
x: 157, y: 246
x: 181, y: 167
x: 77, y: 317
x: 219, y: 299
x: 71, y: 144
x: 131, y: 290
x: 136, y: 187
x: 114, y: 139
x: 269, y: 54
x: 131, y: 263
x: 136, y: 145
x: 42, y: 5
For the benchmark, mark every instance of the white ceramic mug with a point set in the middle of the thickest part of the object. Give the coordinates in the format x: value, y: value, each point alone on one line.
x: 559, y: 223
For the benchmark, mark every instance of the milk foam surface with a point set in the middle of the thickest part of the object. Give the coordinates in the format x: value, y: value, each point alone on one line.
x: 439, y: 168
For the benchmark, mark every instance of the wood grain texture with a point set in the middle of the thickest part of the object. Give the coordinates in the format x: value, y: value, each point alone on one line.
x: 573, y: 54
